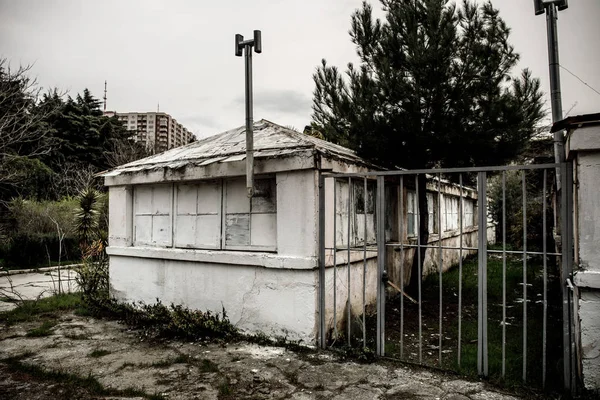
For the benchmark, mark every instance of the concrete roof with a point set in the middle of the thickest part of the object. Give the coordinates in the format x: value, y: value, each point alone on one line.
x: 270, y: 141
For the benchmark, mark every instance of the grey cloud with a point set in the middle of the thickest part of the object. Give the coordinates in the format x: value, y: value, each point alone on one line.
x: 280, y: 101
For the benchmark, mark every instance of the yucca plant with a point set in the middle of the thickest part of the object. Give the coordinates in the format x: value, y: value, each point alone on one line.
x: 86, y: 217
x: 92, y: 275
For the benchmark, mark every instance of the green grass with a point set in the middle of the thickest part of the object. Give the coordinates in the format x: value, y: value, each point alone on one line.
x: 99, y: 353
x: 208, y: 366
x: 515, y: 321
x: 43, y: 330
x: 71, y: 381
x: 225, y: 389
x: 31, y: 310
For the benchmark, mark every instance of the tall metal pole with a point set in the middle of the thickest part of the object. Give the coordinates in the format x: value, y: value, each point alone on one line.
x: 249, y: 122
x: 246, y: 46
x: 555, y: 96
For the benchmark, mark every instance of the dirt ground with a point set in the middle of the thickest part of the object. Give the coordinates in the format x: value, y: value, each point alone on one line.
x: 87, y: 358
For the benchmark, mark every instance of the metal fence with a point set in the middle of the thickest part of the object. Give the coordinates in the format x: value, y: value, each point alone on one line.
x: 523, y: 264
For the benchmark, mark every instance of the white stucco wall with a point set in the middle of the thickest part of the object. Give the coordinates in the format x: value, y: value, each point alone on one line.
x: 336, y: 282
x: 273, y: 301
x: 120, y: 219
x: 583, y: 147
x: 589, y: 314
x: 269, y: 292
x: 297, y: 214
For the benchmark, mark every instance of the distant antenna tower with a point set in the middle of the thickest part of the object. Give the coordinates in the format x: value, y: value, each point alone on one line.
x: 158, y: 107
x: 104, y: 95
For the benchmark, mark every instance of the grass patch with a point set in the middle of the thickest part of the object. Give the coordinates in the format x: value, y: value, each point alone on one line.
x: 174, y: 321
x: 208, y: 366
x: 43, y: 330
x: 89, y: 383
x: 225, y: 389
x: 31, y: 310
x: 99, y: 353
x: 514, y: 327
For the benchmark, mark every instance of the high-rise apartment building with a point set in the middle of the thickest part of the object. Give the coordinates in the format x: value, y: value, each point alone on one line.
x: 157, y: 130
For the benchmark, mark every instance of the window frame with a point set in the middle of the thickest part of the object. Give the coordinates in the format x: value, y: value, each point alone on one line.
x: 135, y: 214
x: 248, y: 247
x: 173, y: 213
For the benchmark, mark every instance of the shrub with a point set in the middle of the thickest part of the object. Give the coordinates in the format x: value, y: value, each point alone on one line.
x: 31, y: 217
x: 25, y: 250
x: 174, y: 321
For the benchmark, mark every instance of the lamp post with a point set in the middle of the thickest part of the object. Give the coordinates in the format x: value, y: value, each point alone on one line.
x: 246, y: 46
x: 551, y: 8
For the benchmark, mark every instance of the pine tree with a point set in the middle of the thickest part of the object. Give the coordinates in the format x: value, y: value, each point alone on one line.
x: 433, y: 89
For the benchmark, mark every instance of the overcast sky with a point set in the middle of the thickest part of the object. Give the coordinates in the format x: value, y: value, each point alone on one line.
x: 181, y: 53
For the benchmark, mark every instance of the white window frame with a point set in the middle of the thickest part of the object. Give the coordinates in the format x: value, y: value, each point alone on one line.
x: 197, y: 213
x: 222, y: 214
x: 451, y: 212
x: 411, y: 232
x: 250, y: 213
x: 136, y: 213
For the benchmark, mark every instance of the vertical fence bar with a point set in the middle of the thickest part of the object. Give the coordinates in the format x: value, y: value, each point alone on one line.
x: 401, y: 238
x: 545, y: 317
x: 524, y: 277
x: 335, y: 330
x: 349, y: 301
x: 322, y: 339
x: 460, y: 261
x: 564, y: 275
x: 440, y: 266
x: 503, y: 274
x: 380, y: 265
x: 420, y: 275
x: 364, y: 293
x: 482, y: 340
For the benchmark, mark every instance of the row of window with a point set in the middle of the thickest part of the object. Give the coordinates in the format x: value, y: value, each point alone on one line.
x: 450, y: 218
x: 206, y: 215
x: 360, y: 206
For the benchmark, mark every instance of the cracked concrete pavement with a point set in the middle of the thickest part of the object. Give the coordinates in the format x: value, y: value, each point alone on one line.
x: 29, y: 286
x: 180, y: 370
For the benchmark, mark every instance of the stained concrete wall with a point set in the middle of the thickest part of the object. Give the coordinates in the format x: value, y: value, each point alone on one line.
x: 257, y: 299
x: 336, y: 288
x: 583, y: 147
x: 269, y: 292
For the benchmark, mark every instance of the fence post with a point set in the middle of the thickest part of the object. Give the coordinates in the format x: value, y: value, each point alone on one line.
x: 380, y: 266
x: 482, y: 339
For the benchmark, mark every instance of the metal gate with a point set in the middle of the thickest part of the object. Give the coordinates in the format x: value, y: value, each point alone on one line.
x: 494, y: 252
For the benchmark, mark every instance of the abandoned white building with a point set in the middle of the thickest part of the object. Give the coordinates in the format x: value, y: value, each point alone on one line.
x: 182, y: 228
x: 583, y: 148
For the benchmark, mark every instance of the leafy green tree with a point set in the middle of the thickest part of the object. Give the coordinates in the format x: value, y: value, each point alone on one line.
x: 433, y: 88
x: 24, y: 135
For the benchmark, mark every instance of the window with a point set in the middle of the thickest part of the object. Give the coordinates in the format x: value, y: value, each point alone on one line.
x: 432, y: 210
x: 468, y: 213
x: 152, y: 215
x: 207, y: 215
x: 198, y: 215
x: 360, y: 216
x: 451, y: 213
x: 411, y: 213
x: 250, y: 222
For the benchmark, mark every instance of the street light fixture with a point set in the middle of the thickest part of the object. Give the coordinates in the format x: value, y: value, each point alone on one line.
x: 246, y: 46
